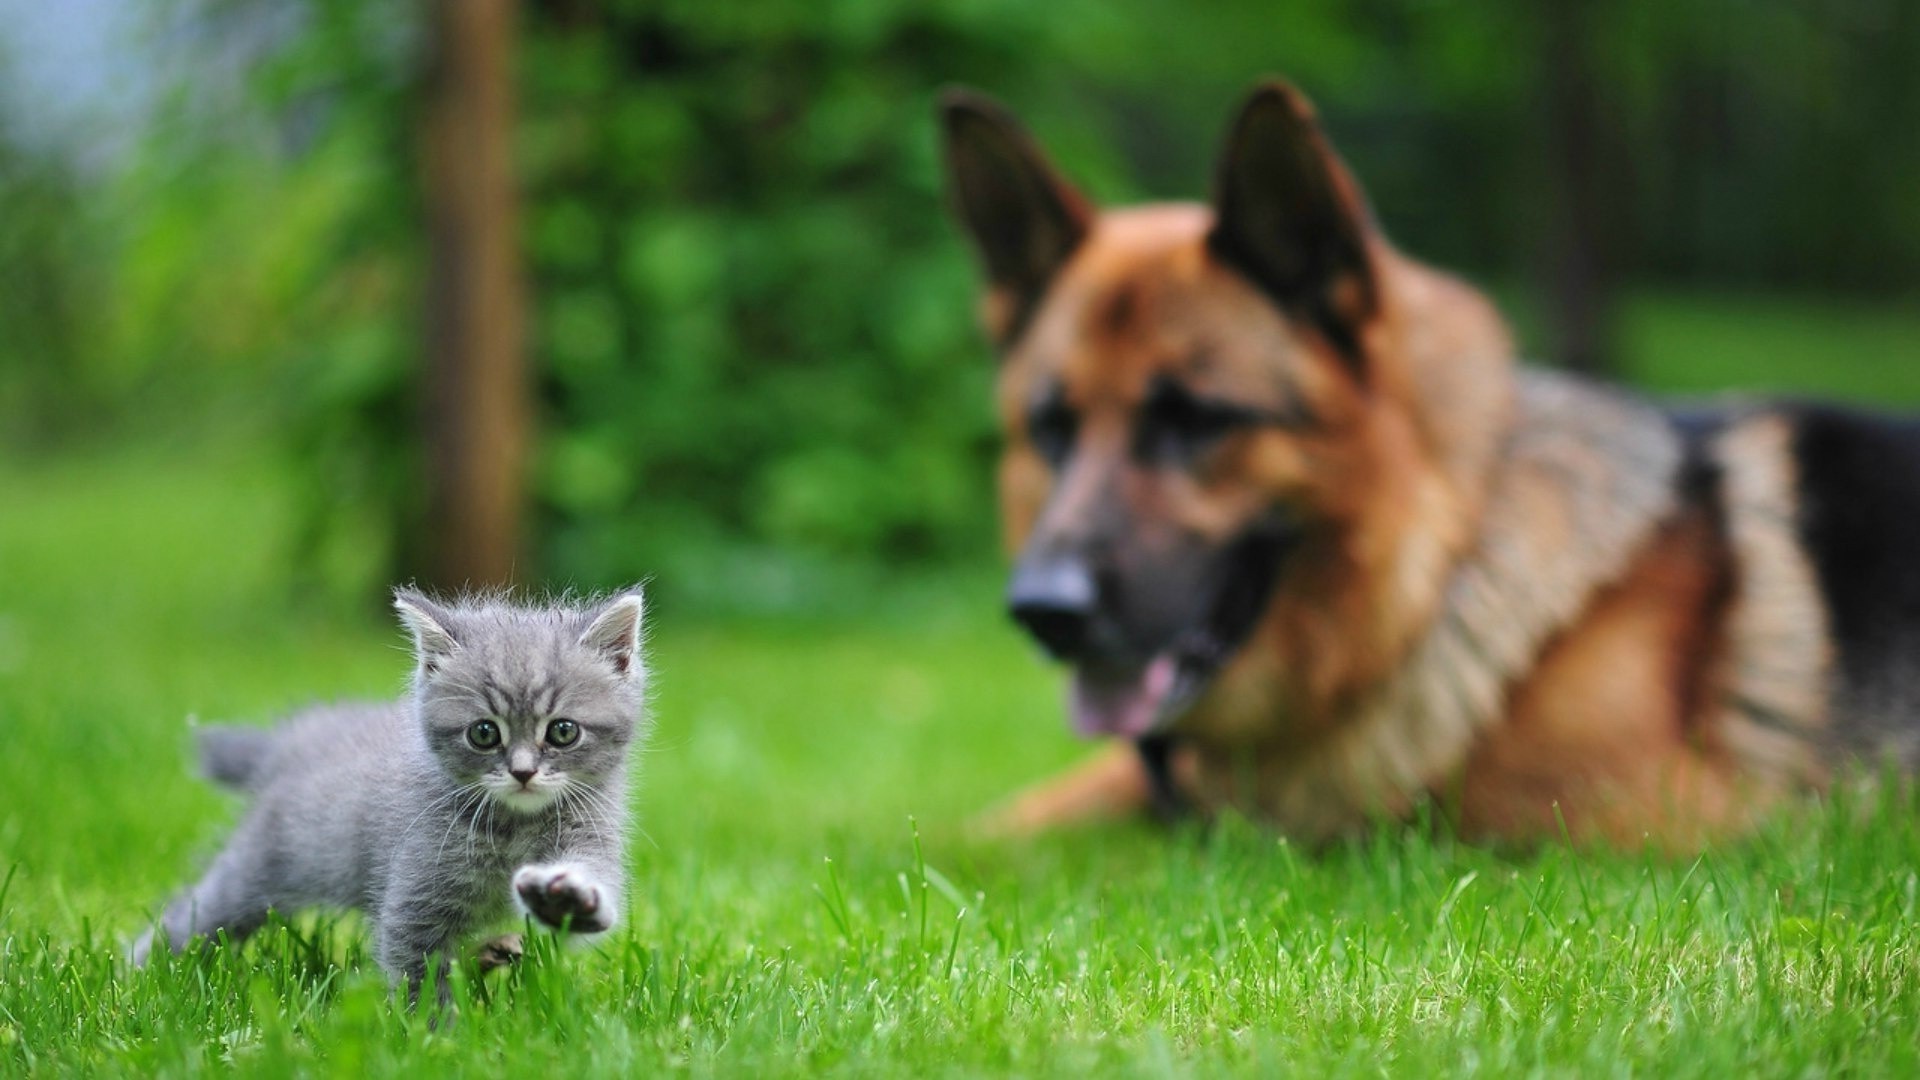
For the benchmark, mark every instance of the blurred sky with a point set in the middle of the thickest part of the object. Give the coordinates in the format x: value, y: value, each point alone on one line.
x: 76, y: 62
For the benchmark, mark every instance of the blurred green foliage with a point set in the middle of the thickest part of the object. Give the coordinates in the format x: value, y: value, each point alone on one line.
x: 753, y: 324
x: 752, y: 317
x: 45, y: 265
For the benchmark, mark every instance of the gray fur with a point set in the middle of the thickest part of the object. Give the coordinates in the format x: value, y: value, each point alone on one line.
x: 232, y: 756
x: 389, y: 808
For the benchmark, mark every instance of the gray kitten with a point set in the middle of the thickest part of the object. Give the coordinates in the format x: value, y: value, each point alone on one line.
x: 500, y: 778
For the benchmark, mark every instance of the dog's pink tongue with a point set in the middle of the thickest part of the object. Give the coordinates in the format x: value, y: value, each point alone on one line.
x: 1124, y: 704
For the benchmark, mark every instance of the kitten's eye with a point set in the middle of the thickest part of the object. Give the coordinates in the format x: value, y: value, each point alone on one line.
x: 484, y: 735
x: 563, y: 733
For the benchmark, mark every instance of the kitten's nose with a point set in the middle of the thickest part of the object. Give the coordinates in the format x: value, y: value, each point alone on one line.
x: 522, y: 775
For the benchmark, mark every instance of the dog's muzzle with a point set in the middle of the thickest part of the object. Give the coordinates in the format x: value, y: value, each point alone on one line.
x: 1122, y: 686
x: 1054, y: 598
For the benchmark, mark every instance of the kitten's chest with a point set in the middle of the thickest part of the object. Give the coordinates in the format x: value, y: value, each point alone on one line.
x: 502, y: 847
x: 476, y: 874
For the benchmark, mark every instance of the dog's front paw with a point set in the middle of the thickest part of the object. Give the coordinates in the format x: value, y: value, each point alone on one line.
x: 563, y: 896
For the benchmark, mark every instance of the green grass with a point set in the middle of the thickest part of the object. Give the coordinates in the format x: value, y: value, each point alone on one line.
x: 806, y: 900
x: 1694, y: 344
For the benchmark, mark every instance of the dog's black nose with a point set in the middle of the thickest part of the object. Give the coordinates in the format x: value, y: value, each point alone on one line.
x: 1054, y: 598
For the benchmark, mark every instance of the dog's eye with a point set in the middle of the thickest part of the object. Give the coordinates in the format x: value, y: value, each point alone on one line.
x: 1176, y: 427
x: 563, y: 733
x: 484, y: 735
x: 1051, y: 427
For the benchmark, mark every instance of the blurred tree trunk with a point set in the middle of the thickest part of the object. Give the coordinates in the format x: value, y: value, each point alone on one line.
x: 1583, y: 185
x: 477, y: 412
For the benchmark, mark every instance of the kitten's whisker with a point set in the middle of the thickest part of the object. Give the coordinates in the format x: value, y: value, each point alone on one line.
x: 566, y: 807
x: 606, y: 814
x: 591, y: 802
x: 569, y: 804
x: 430, y: 807
x: 482, y: 822
x: 605, y: 817
x: 453, y: 819
x: 464, y: 811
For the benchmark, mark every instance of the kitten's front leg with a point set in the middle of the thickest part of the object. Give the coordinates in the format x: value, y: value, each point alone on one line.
x: 412, y: 934
x: 568, y: 895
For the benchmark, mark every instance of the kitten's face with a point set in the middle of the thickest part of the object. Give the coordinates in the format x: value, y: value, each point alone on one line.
x: 524, y: 759
x: 534, y: 706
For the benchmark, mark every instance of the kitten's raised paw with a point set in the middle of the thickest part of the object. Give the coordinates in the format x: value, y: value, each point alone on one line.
x: 562, y: 896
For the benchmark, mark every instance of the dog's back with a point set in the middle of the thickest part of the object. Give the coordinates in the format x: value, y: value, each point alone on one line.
x: 1859, y: 520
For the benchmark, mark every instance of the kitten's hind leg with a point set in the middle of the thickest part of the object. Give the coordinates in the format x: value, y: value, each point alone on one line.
x: 230, y: 897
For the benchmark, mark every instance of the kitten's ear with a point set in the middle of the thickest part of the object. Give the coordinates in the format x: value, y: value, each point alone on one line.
x: 433, y: 642
x: 615, y: 630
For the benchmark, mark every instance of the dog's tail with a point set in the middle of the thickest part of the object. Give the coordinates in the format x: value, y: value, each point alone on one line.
x: 233, y: 756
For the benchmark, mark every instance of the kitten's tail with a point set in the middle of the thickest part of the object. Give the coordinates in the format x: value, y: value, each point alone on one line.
x: 233, y: 756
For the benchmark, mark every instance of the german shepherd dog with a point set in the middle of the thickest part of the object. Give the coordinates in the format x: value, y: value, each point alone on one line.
x: 1318, y: 551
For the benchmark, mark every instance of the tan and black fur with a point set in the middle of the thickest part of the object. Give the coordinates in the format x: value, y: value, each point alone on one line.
x: 1318, y: 549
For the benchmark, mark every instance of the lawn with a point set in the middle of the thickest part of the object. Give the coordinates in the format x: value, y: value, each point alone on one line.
x: 806, y: 898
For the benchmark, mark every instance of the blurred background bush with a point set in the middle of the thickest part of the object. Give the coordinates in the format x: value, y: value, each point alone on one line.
x: 749, y: 347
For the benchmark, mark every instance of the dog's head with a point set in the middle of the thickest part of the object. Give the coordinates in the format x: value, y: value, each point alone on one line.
x: 1197, y: 413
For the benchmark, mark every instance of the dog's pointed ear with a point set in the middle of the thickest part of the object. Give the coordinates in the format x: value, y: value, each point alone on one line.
x: 1024, y: 219
x: 1290, y: 217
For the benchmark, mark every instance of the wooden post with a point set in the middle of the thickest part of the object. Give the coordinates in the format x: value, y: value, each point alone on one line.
x: 1583, y: 187
x: 476, y: 409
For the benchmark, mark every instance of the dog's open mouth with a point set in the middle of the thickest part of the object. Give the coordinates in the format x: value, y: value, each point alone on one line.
x: 1131, y: 701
